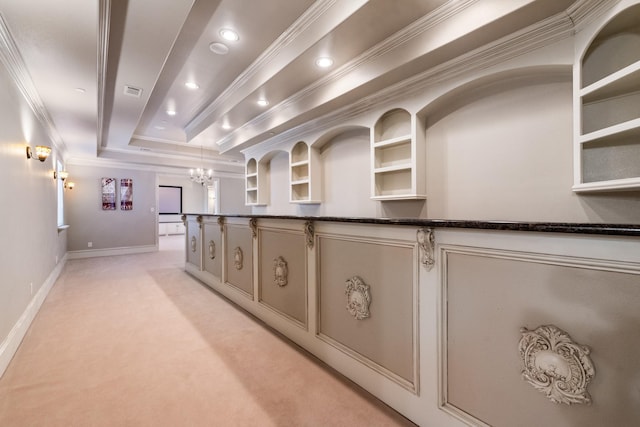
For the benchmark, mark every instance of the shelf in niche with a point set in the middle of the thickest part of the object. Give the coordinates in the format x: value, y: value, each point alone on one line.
x: 403, y: 139
x: 629, y: 128
x: 627, y: 184
x: 300, y: 182
x: 394, y: 168
x: 619, y: 83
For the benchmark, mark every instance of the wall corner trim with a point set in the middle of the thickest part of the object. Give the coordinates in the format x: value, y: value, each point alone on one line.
x: 112, y: 251
x: 9, y: 346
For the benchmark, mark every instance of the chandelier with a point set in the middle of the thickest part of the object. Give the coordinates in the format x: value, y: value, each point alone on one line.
x: 199, y: 175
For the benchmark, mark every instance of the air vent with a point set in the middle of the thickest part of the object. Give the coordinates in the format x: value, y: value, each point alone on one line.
x: 136, y: 92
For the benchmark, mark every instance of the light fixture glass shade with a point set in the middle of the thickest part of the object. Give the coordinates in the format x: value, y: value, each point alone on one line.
x: 42, y: 152
x: 199, y: 175
x: 70, y: 185
x: 63, y: 175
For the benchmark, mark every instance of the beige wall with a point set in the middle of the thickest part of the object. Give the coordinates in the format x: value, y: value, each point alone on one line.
x: 31, y: 244
x: 110, y: 229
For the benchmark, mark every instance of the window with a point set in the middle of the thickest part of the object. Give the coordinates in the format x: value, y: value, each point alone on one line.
x: 60, y: 184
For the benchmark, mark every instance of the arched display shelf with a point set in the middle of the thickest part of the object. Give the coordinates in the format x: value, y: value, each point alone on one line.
x: 397, y: 157
x: 256, y: 183
x: 607, y: 132
x: 304, y: 174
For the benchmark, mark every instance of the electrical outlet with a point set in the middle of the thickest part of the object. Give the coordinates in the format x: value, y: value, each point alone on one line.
x: 90, y: 244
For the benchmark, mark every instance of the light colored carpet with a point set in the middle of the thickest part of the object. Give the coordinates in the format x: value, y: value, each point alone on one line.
x: 135, y: 341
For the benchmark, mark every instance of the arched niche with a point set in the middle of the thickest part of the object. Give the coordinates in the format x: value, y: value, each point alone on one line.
x: 392, y: 124
x: 499, y: 147
x: 608, y: 99
x: 339, y: 133
x: 345, y: 160
x: 491, y: 84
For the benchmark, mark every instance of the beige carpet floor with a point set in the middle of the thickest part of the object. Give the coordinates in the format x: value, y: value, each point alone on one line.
x: 135, y: 341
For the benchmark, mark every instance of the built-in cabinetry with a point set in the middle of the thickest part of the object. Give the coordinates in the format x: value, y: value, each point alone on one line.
x: 257, y: 186
x: 167, y: 228
x: 397, y: 157
x: 607, y: 135
x: 304, y: 174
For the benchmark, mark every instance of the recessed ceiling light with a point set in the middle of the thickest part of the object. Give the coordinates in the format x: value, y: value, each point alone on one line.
x: 160, y: 127
x: 263, y: 102
x: 192, y: 85
x: 229, y: 34
x: 226, y: 126
x: 171, y: 112
x: 80, y: 90
x: 324, y: 62
x: 219, y: 48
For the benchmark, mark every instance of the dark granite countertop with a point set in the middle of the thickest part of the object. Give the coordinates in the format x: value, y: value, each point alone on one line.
x: 548, y: 227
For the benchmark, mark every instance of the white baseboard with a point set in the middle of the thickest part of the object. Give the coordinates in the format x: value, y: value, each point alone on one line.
x: 91, y: 253
x: 10, y: 345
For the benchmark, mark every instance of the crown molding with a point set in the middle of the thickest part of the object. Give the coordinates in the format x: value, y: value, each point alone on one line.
x: 104, y: 22
x: 120, y: 164
x: 311, y: 15
x: 545, y: 32
x: 14, y: 62
x: 414, y: 30
x: 144, y: 152
x: 583, y: 12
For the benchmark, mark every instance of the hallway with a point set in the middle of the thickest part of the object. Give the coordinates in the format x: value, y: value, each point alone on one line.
x: 135, y: 341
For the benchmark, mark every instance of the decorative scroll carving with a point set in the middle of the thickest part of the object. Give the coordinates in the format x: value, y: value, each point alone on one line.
x: 309, y: 232
x: 194, y: 241
x: 253, y: 224
x: 184, y: 219
x: 221, y: 223
x: 280, y: 271
x: 237, y: 258
x: 427, y: 247
x: 199, y: 219
x: 555, y: 365
x: 358, y: 298
x: 212, y: 249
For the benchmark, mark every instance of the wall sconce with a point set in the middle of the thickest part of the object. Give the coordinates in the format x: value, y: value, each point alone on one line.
x: 62, y: 175
x: 41, y: 152
x: 69, y: 185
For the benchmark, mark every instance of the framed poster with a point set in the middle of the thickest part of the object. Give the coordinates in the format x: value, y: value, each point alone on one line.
x: 126, y: 194
x: 108, y: 194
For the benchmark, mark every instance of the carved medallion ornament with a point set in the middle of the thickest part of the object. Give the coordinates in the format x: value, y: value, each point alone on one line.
x: 221, y: 223
x: 193, y: 243
x: 280, y: 271
x: 237, y: 258
x: 308, y: 231
x: 183, y: 218
x: 212, y: 249
x: 253, y: 224
x: 358, y: 298
x: 555, y: 365
x: 427, y: 247
x: 199, y: 219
